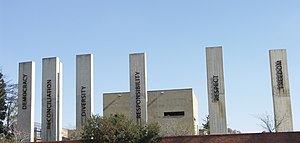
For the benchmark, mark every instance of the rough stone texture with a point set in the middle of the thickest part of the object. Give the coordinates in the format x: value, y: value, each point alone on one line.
x: 159, y: 103
x: 26, y: 99
x: 138, y: 87
x: 51, y: 99
x: 281, y: 90
x: 216, y: 90
x: 84, y: 88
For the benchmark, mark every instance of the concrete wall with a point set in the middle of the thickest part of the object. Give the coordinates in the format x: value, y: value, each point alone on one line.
x: 51, y: 99
x: 84, y: 88
x: 138, y: 87
x: 161, y: 105
x: 117, y: 103
x: 216, y: 90
x: 26, y: 99
x: 196, y: 114
x: 281, y: 90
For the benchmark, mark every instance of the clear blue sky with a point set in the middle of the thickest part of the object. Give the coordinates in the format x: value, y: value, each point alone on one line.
x: 173, y: 33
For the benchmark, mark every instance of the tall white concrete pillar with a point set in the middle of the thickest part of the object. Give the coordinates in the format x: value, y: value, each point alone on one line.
x: 59, y: 101
x: 51, y: 99
x: 138, y: 87
x: 216, y: 90
x: 84, y: 89
x: 26, y: 99
x: 281, y: 90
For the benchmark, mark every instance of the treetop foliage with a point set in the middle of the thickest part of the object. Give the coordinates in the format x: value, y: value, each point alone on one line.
x: 3, y: 106
x: 119, y: 129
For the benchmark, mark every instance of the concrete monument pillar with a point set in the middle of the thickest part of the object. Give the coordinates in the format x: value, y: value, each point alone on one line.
x: 59, y: 118
x: 281, y: 90
x: 84, y: 89
x: 138, y: 87
x: 26, y: 99
x: 216, y: 90
x: 51, y: 99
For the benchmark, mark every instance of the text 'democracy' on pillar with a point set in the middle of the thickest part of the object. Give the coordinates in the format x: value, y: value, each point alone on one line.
x: 24, y: 91
x: 26, y: 97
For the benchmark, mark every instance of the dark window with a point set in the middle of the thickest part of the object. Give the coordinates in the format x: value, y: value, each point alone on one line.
x: 177, y: 113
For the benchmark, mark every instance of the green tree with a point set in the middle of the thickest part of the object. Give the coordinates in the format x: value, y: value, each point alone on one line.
x: 3, y: 107
x: 205, y: 125
x: 118, y: 129
x: 12, y: 107
x: 8, y: 109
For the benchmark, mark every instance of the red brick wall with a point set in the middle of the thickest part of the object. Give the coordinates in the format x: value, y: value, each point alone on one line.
x: 292, y: 137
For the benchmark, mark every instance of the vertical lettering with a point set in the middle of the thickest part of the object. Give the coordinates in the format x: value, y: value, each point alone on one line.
x: 215, y: 89
x: 83, y: 101
x: 279, y: 74
x: 138, y: 94
x: 24, y: 92
x: 49, y: 104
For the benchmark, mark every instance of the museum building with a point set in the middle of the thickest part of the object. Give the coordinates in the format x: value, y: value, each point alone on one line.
x: 175, y: 109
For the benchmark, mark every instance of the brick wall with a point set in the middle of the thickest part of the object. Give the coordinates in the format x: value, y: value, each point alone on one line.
x: 291, y: 137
